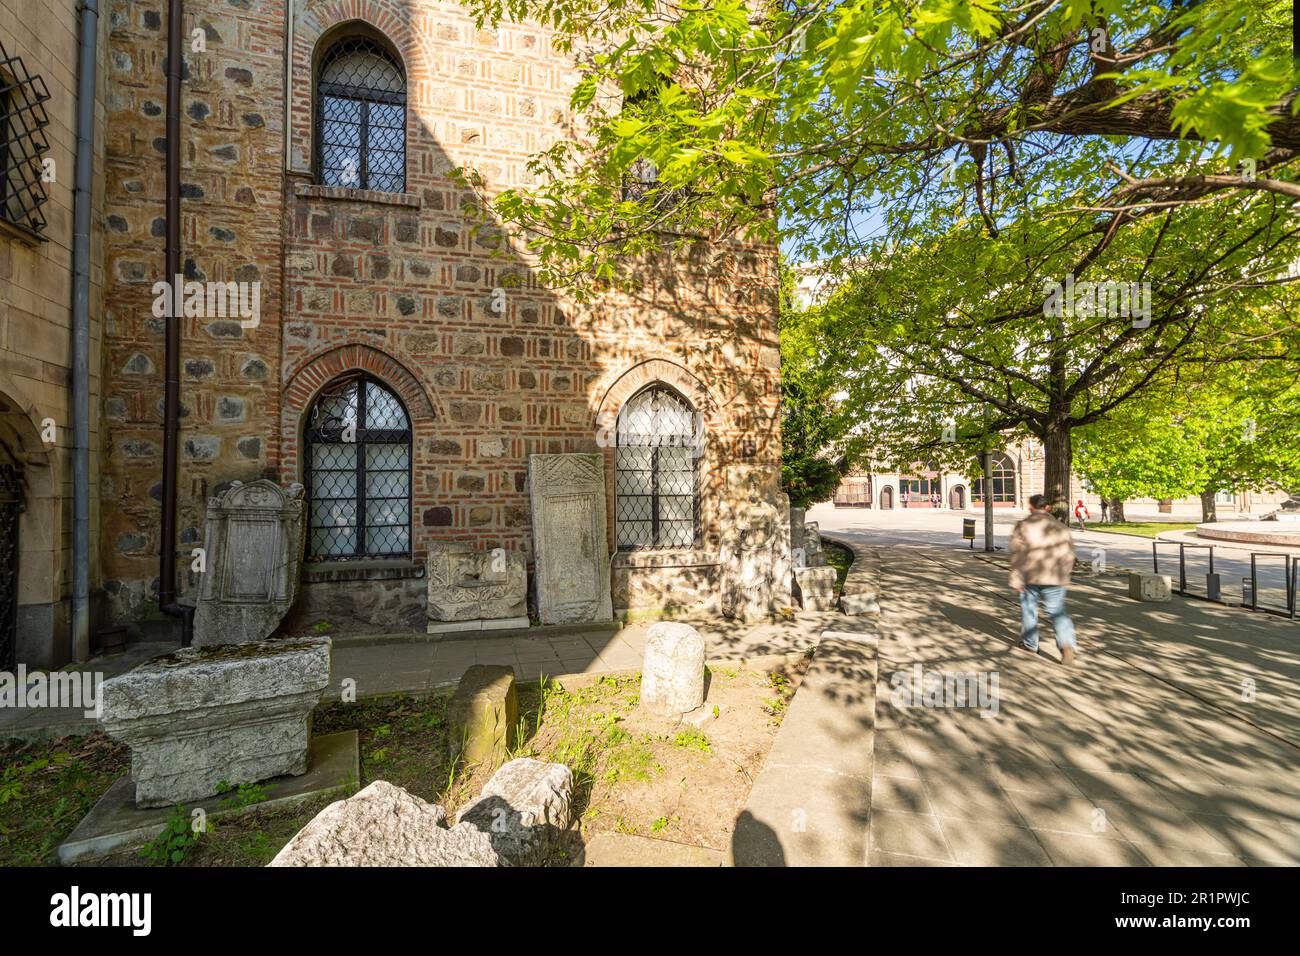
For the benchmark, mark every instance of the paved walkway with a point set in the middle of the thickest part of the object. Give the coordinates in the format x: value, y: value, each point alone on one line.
x: 386, y: 664
x: 389, y: 667
x: 1147, y: 753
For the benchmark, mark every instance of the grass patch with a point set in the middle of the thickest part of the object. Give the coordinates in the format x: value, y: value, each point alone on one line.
x: 632, y: 772
x: 840, y: 558
x: 1142, y: 529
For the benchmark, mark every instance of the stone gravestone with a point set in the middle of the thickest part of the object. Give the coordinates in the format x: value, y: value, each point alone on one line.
x: 672, y: 674
x: 476, y: 590
x: 570, y: 546
x: 756, y: 571
x: 253, y: 553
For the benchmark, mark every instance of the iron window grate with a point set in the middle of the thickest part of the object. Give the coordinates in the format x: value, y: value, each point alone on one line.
x: 361, y: 117
x: 358, y: 472
x: 23, y: 145
x: 656, y: 488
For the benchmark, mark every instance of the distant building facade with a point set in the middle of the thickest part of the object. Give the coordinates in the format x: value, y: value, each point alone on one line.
x: 1018, y: 472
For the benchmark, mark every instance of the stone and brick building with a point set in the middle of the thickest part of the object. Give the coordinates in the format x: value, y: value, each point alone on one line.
x: 320, y: 142
x: 38, y: 84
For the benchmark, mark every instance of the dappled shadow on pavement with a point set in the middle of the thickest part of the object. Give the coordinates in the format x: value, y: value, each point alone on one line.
x: 1111, y: 762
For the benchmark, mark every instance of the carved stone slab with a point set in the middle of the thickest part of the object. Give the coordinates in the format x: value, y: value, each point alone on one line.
x: 569, y: 544
x: 205, y: 715
x: 469, y: 585
x: 253, y: 551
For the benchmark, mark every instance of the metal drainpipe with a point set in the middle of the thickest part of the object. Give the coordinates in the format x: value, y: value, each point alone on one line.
x: 87, y: 67
x: 172, y: 349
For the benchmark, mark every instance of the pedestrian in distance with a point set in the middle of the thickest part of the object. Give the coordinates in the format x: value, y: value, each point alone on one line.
x: 1042, y: 560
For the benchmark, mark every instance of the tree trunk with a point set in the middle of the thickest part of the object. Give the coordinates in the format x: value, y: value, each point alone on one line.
x: 1058, y: 457
x: 1207, y: 506
x: 1117, y: 510
x: 988, y: 500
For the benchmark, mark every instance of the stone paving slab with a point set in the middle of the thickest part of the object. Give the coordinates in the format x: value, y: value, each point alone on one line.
x: 811, y: 802
x: 1136, y: 757
x: 413, y: 663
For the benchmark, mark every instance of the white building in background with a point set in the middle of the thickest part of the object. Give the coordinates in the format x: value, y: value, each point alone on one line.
x: 1018, y: 473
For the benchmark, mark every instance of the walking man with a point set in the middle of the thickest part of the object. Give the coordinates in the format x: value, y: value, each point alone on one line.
x: 1042, y: 559
x: 1105, y: 511
x: 1081, y: 515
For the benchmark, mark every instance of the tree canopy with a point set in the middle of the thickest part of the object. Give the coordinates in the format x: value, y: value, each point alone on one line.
x: 1034, y: 210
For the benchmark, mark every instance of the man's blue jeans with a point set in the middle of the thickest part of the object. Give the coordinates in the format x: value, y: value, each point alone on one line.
x: 1052, y: 597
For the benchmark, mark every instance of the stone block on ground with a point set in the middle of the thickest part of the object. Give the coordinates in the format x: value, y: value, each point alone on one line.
x: 672, y: 673
x: 863, y: 602
x: 483, y: 715
x: 383, y: 825
x: 815, y: 587
x: 523, y: 810
x: 1149, y: 587
x: 234, y: 713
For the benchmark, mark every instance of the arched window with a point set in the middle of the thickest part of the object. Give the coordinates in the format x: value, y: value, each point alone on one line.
x: 655, y: 492
x: 361, y: 117
x: 358, y: 472
x: 1004, y: 482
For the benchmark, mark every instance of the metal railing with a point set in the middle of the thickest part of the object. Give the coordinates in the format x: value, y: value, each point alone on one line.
x: 1250, y: 585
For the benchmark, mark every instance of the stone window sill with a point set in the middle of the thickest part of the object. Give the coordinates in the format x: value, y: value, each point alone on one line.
x: 322, y: 572
x: 674, y: 558
x: 316, y: 191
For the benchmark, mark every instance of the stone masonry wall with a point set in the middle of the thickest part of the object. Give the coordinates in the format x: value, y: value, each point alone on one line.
x: 402, y: 286
x: 36, y: 339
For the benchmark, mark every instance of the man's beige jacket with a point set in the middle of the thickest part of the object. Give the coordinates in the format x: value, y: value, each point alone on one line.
x: 1042, y: 551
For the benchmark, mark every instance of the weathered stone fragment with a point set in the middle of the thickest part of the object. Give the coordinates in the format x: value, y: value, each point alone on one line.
x: 672, y: 676
x: 383, y: 825
x: 815, y: 588
x: 201, y: 716
x: 1149, y: 587
x: 468, y: 586
x: 253, y: 552
x: 523, y: 809
x: 483, y: 714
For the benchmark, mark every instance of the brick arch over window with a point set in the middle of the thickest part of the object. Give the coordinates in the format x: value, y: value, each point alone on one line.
x: 302, y: 384
x: 326, y: 21
x: 665, y: 371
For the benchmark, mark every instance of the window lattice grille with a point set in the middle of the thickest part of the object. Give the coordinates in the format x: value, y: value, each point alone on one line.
x: 23, y: 144
x: 361, y: 117
x: 359, y: 473
x: 656, y: 491
x: 1004, y: 482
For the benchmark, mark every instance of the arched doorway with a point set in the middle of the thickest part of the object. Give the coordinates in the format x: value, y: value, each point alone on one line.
x: 957, y: 498
x: 887, y: 498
